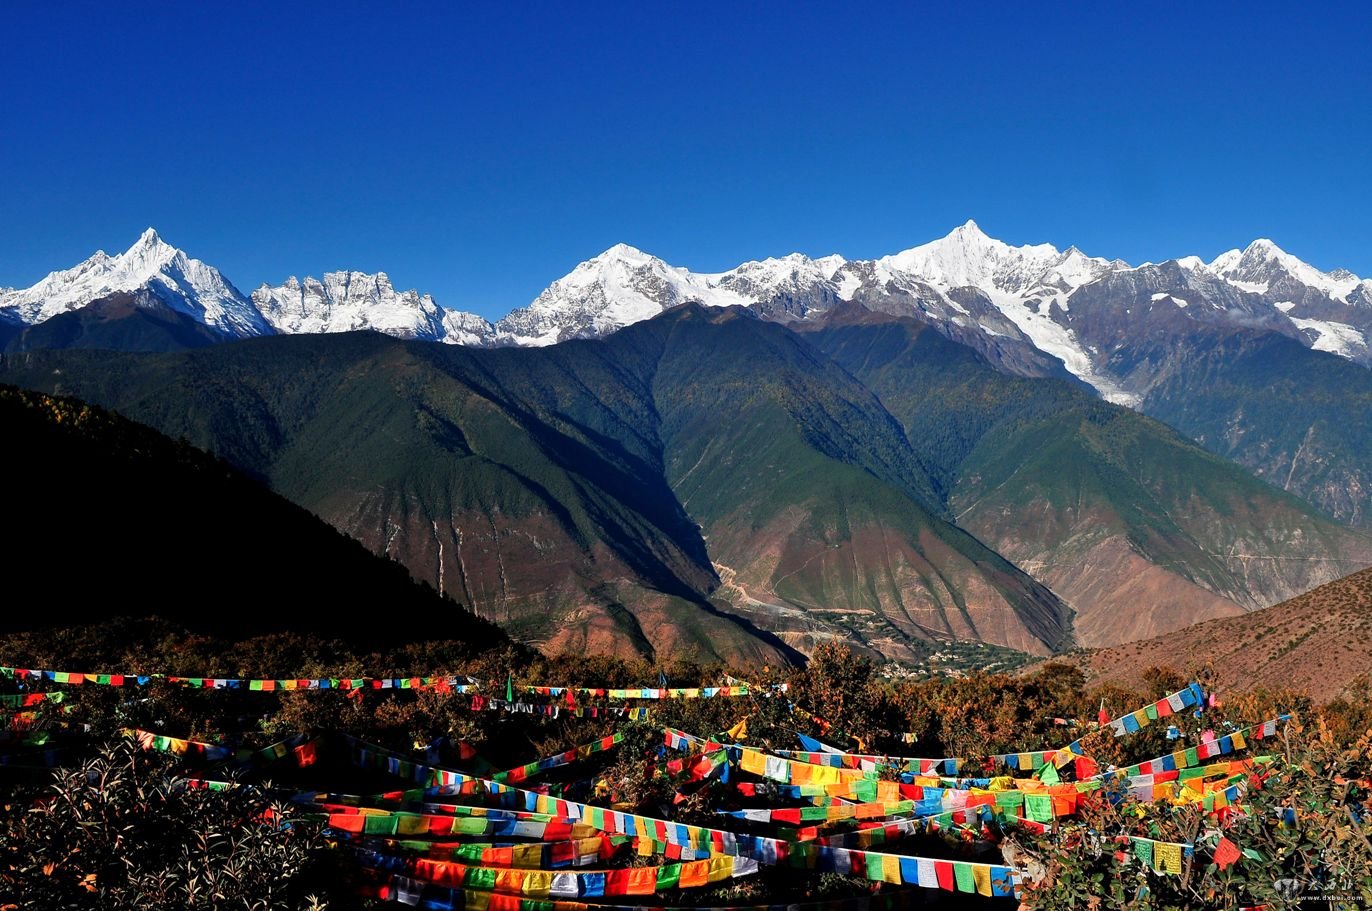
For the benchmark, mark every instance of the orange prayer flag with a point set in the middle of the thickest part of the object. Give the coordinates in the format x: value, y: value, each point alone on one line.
x: 695, y: 873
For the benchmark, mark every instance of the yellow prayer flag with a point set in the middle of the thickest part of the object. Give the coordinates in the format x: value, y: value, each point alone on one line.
x: 538, y: 884
x: 532, y: 855
x: 1167, y: 857
x: 821, y: 774
x: 981, y: 875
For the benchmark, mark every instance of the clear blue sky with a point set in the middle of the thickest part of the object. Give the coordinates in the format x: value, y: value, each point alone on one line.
x: 478, y: 152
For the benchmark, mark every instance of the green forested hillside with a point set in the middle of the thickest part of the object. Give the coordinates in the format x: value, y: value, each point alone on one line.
x: 1295, y: 417
x: 124, y: 321
x: 553, y: 488
x: 1139, y: 529
x: 477, y: 496
x: 714, y: 485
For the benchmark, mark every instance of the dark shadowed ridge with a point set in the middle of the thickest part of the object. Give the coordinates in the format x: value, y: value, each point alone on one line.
x: 104, y: 516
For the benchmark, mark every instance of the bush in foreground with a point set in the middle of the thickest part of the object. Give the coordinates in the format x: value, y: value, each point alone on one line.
x: 120, y: 832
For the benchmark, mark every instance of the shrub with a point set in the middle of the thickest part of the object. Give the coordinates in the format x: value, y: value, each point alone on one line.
x: 119, y: 832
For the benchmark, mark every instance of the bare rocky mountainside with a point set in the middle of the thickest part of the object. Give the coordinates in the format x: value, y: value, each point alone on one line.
x: 1319, y: 643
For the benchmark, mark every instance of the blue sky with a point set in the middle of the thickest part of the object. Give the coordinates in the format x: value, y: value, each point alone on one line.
x: 479, y: 152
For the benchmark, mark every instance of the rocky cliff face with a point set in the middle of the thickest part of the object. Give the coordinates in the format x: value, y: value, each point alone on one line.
x: 348, y: 301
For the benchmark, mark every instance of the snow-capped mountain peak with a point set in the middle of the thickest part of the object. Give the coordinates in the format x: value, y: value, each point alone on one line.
x: 619, y: 287
x: 148, y: 254
x: 968, y: 257
x: 1263, y: 265
x: 1075, y: 269
x: 180, y: 283
x: 347, y: 301
x: 624, y: 252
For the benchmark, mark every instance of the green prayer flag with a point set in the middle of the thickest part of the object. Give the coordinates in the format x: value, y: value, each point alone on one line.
x: 1049, y: 774
x: 481, y: 879
x: 962, y: 873
x: 874, y: 868
x: 668, y: 876
x: 1143, y: 850
x: 1009, y: 800
x: 509, y: 688
x: 1038, y: 807
x: 379, y: 825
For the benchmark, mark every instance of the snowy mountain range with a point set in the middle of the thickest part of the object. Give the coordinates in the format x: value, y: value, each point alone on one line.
x: 1031, y: 310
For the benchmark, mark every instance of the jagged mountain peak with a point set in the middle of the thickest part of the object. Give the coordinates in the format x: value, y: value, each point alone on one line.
x: 967, y: 256
x: 621, y: 286
x: 148, y: 238
x: 776, y: 270
x: 1264, y: 247
x: 176, y: 281
x: 620, y: 256
x: 147, y: 255
x: 1225, y: 262
x: 969, y: 228
x: 625, y: 251
x: 347, y: 301
x: 1263, y: 264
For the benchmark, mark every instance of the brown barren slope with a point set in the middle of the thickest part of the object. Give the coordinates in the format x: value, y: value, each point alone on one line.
x: 1318, y: 643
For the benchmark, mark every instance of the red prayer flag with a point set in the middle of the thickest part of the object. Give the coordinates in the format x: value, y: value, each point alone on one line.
x: 307, y: 754
x: 1226, y: 853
